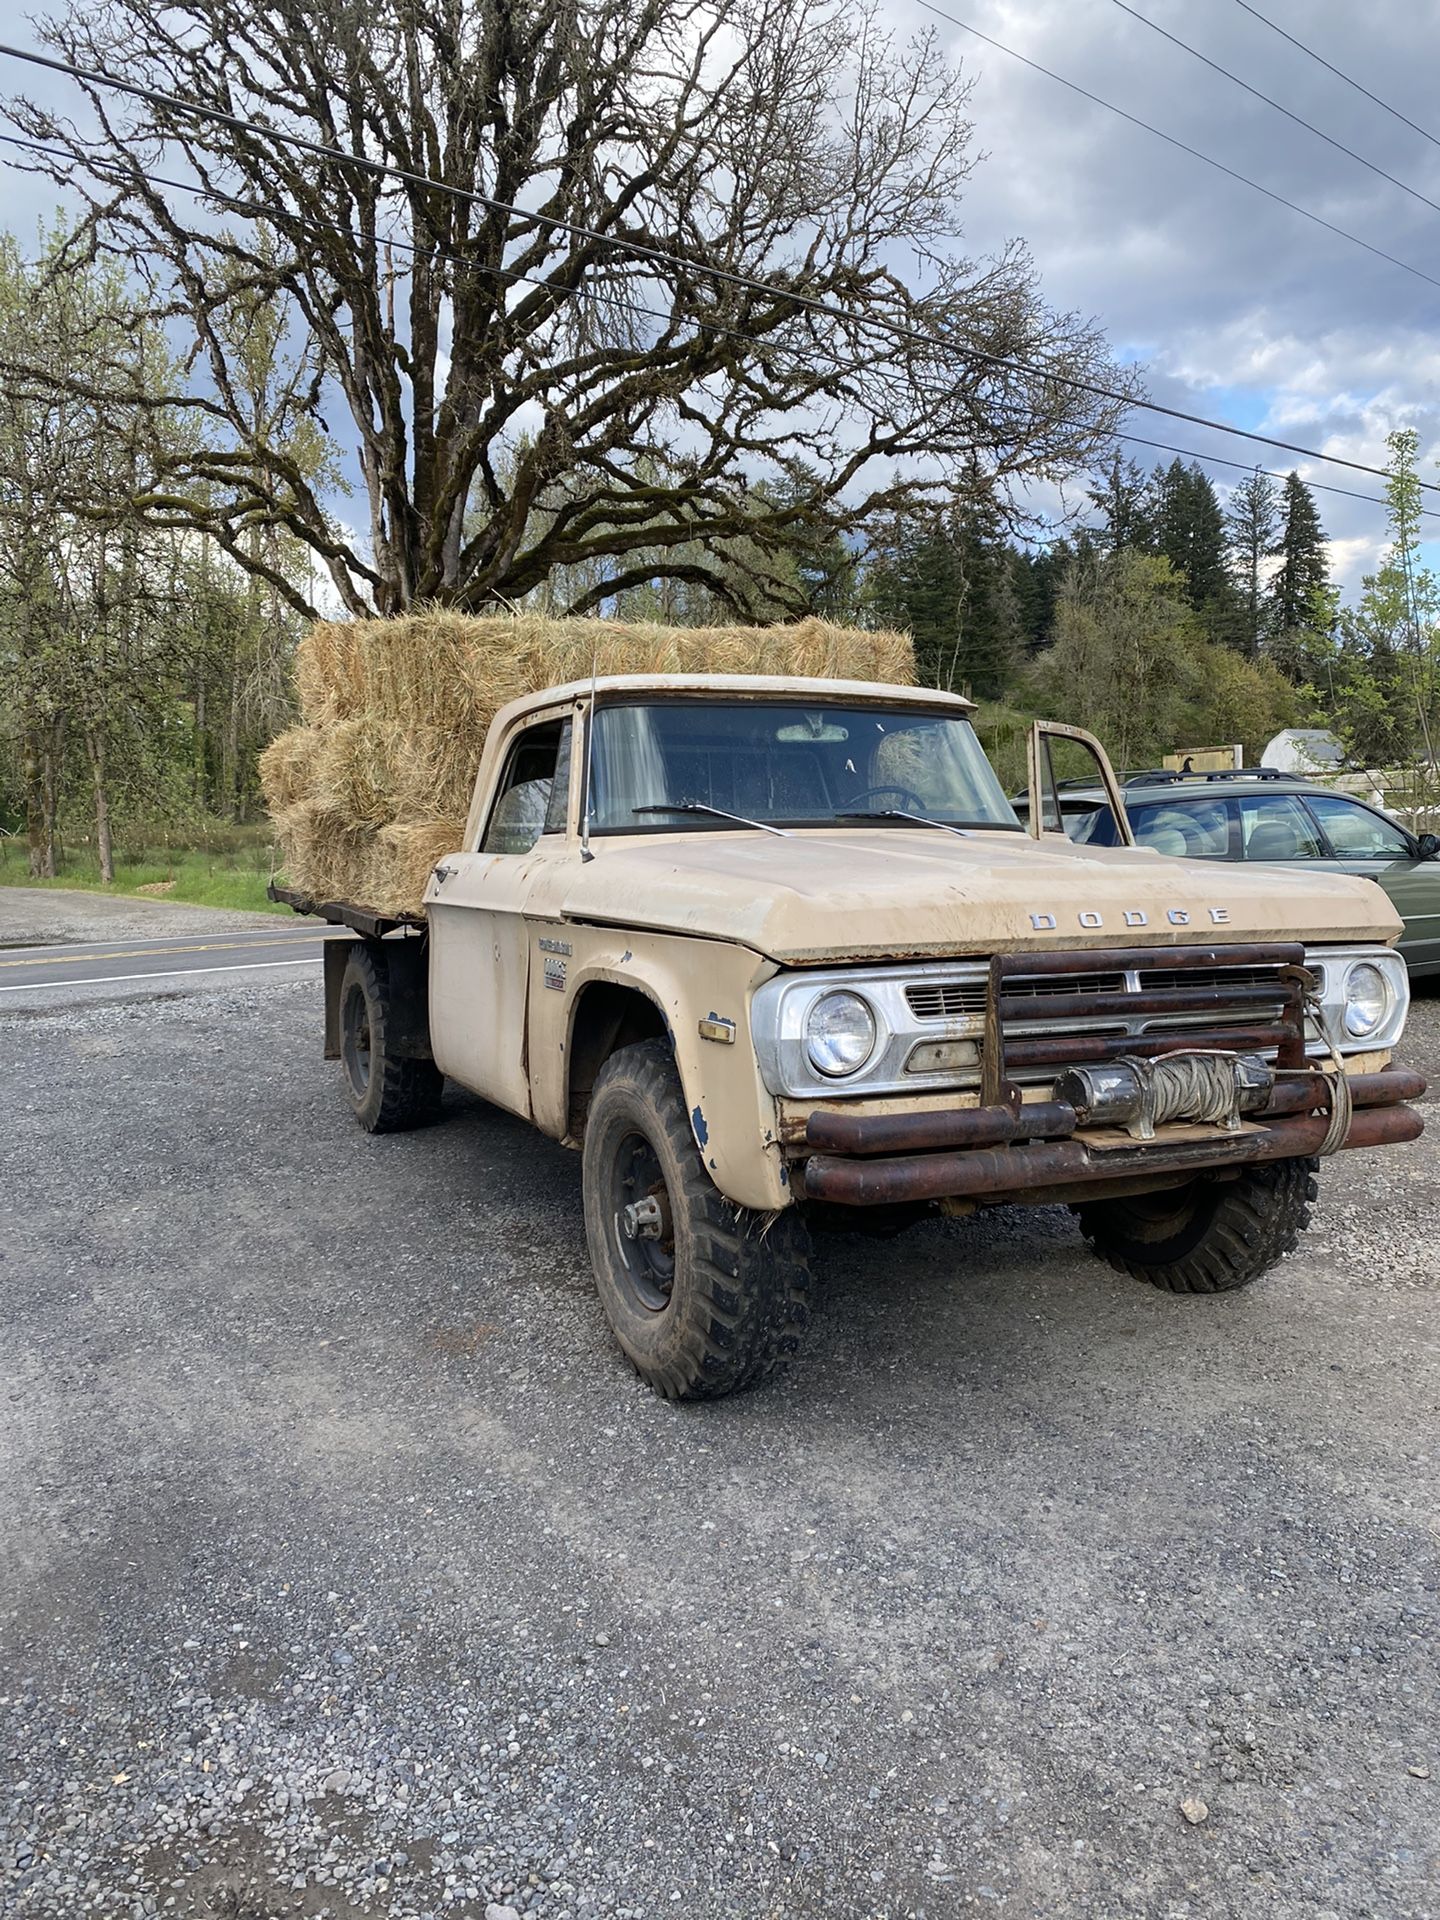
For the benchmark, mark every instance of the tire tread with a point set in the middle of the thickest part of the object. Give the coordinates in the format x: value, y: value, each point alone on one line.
x: 403, y: 1093
x: 748, y: 1304
x: 1254, y: 1222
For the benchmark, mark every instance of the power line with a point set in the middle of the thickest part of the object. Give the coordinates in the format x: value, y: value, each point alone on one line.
x: 726, y: 276
x: 1339, y: 72
x: 312, y: 221
x: 1242, y: 466
x: 1183, y: 146
x: 1299, y: 120
x: 251, y: 210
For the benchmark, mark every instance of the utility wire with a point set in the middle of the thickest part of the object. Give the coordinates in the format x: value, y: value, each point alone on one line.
x: 1255, y: 93
x: 1338, y: 72
x: 1172, y: 140
x: 726, y: 276
x: 1243, y: 466
x: 249, y: 210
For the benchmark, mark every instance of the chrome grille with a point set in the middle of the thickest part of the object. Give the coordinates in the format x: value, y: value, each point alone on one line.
x: 963, y: 998
x: 945, y: 999
x: 952, y: 999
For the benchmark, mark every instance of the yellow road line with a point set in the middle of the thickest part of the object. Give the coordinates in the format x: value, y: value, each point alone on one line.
x: 147, y: 953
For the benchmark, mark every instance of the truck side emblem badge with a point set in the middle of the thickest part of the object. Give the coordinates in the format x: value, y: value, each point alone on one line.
x: 715, y: 1026
x: 555, y: 974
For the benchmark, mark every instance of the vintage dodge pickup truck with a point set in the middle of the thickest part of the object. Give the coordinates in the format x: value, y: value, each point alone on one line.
x: 772, y: 953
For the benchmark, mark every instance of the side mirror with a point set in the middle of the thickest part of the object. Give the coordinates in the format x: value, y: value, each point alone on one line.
x: 1429, y: 845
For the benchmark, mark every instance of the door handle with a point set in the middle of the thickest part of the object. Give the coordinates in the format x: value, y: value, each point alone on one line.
x: 442, y: 874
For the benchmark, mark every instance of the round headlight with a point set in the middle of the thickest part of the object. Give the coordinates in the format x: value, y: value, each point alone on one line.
x: 839, y: 1033
x: 1367, y: 999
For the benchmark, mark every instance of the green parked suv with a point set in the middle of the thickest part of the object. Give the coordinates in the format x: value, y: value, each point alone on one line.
x: 1275, y: 819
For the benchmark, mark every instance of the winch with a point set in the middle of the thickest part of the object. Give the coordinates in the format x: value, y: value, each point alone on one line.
x: 1139, y: 1095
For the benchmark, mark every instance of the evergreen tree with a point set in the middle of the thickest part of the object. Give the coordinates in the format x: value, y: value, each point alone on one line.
x: 811, y: 548
x: 1189, y: 532
x: 1122, y: 499
x: 1304, y: 570
x: 952, y: 584
x: 1253, y: 522
x: 1037, y: 578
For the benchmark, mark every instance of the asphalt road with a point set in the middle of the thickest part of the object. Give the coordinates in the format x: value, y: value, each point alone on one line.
x: 64, y: 972
x: 345, y: 1569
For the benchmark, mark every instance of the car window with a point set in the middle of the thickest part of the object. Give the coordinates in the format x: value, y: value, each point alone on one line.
x: 1199, y: 832
x: 1274, y: 826
x: 1355, y: 833
x: 526, y: 805
x: 1090, y: 826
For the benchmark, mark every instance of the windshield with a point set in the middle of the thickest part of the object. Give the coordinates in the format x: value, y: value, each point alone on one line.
x: 787, y: 764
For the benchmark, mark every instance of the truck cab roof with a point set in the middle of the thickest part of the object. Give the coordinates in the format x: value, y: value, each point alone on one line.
x: 758, y: 686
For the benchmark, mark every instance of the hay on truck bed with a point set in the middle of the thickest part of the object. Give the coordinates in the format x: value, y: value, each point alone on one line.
x: 373, y: 786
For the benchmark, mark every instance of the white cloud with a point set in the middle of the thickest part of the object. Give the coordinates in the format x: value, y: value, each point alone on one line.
x: 1239, y: 308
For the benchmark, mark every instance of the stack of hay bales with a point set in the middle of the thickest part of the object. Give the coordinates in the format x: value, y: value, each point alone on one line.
x: 373, y: 786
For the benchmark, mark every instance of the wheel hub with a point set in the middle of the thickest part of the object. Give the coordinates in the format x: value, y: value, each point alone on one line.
x: 355, y: 1041
x: 644, y: 1219
x: 644, y: 1225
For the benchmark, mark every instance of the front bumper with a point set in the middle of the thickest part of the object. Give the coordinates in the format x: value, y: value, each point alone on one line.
x: 1009, y: 1151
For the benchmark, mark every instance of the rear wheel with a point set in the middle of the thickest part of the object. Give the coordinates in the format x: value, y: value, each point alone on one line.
x: 704, y: 1297
x: 1210, y: 1236
x: 387, y: 1094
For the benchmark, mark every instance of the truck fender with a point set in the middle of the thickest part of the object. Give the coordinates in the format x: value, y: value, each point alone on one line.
x: 405, y: 961
x: 608, y: 1010
x: 732, y: 1120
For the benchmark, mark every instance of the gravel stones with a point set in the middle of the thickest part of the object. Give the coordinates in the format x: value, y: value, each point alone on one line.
x: 1052, y: 1553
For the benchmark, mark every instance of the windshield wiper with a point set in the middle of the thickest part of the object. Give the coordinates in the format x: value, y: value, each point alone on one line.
x: 915, y: 819
x: 717, y: 813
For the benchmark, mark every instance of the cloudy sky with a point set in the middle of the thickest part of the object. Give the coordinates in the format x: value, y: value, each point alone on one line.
x: 1238, y: 308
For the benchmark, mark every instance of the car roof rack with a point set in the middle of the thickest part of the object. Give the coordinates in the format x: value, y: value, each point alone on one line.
x: 1169, y: 776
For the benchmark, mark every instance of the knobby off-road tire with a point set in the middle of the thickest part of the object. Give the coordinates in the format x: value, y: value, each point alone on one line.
x: 719, y: 1299
x: 386, y: 1094
x: 1209, y: 1237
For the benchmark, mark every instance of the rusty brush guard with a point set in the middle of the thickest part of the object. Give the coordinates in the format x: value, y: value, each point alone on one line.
x: 1005, y: 1149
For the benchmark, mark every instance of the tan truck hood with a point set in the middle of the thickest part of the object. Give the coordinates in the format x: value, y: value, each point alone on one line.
x: 900, y: 893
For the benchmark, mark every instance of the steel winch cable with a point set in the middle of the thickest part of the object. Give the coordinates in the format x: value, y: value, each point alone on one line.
x: 1199, y: 1085
x: 1342, y: 1102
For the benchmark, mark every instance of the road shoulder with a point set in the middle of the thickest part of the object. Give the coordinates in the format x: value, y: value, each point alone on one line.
x: 43, y: 916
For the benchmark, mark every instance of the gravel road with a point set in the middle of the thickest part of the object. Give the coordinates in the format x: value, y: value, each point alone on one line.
x: 344, y: 1569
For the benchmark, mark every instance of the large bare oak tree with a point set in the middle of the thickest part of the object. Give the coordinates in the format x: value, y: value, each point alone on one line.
x: 522, y: 391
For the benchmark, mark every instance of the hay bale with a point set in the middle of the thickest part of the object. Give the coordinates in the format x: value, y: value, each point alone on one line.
x: 407, y: 853
x: 285, y: 766
x: 374, y: 787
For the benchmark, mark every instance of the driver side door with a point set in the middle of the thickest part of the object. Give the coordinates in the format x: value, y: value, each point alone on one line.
x: 477, y: 902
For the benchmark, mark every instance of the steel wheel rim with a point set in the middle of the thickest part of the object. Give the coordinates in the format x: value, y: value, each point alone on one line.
x: 355, y: 1039
x: 646, y: 1266
x: 1158, y: 1216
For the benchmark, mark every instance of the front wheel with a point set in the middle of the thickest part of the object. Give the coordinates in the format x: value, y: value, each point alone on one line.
x: 1209, y: 1236
x: 703, y: 1296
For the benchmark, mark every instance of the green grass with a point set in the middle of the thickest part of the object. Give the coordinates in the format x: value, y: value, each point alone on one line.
x: 218, y: 866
